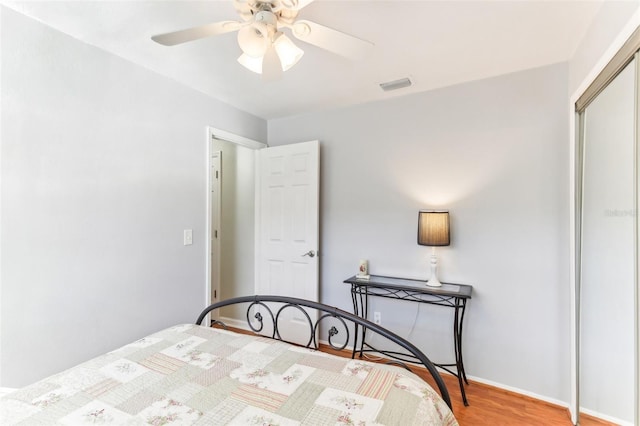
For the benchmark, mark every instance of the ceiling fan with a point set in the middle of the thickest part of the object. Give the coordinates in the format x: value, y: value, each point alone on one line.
x: 266, y: 49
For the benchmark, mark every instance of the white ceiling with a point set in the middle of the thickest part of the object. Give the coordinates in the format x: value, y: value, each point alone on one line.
x: 435, y: 43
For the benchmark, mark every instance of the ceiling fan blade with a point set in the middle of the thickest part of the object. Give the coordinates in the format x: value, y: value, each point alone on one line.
x: 195, y: 33
x: 244, y: 9
x: 295, y: 4
x: 332, y: 40
x: 271, y: 65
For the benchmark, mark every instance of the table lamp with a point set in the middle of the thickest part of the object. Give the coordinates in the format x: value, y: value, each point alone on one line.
x: 433, y: 230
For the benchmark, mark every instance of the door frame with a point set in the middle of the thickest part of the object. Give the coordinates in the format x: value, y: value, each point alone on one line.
x: 215, y: 221
x: 575, y: 213
x: 215, y: 133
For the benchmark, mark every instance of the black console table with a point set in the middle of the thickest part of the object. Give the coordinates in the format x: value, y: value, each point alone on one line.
x: 449, y: 295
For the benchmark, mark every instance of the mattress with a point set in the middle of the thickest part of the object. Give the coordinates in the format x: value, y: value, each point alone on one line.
x: 189, y: 374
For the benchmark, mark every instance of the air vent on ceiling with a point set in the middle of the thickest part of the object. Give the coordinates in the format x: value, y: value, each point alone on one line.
x: 396, y: 84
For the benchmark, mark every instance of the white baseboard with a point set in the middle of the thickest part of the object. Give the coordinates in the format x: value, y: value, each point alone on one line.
x: 235, y: 323
x: 513, y: 389
x: 553, y: 401
x: 605, y: 417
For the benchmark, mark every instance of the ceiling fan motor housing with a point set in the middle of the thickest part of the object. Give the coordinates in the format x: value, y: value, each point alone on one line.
x: 266, y: 17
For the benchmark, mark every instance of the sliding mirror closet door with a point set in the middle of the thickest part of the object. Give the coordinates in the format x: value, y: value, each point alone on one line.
x: 607, y: 370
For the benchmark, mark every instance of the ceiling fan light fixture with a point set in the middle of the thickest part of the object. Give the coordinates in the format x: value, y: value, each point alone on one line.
x: 254, y: 40
x: 288, y: 52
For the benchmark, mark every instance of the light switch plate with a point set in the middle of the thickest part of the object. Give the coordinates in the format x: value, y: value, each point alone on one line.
x: 188, y: 237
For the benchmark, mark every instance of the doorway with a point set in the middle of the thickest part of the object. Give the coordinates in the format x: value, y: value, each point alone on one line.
x: 264, y: 224
x: 231, y: 222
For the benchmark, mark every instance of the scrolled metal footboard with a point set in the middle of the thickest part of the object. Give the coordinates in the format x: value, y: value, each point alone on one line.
x: 325, y: 312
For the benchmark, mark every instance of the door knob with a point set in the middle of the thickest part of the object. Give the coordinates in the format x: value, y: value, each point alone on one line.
x: 310, y: 253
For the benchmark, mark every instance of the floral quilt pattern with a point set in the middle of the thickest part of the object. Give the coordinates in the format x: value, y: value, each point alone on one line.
x: 173, y: 378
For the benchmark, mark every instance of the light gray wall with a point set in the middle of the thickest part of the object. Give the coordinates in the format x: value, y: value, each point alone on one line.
x: 494, y: 153
x: 103, y: 165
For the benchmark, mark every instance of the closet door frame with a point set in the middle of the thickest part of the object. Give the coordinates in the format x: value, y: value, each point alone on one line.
x: 627, y: 52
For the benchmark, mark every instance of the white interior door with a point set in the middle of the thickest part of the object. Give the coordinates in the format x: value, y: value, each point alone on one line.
x: 287, y: 225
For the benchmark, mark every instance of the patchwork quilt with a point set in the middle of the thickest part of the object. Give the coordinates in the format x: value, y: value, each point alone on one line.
x: 197, y: 375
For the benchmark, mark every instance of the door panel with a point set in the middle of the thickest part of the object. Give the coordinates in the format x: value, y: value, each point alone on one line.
x: 288, y: 225
x: 607, y: 366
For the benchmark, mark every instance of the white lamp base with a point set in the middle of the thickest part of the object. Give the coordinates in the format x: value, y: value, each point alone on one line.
x: 434, y: 281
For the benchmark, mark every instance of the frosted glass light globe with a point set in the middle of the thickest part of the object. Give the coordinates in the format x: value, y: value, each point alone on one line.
x: 253, y: 41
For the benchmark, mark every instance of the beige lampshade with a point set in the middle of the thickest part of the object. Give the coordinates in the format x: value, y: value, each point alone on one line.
x: 433, y: 228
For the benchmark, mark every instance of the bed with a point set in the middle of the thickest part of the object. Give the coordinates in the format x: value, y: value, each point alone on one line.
x: 202, y: 375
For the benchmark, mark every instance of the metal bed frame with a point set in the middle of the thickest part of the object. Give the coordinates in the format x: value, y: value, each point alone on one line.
x: 258, y: 305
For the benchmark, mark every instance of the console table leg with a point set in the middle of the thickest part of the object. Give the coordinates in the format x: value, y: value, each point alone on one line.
x: 457, y: 346
x: 464, y: 373
x: 354, y: 300
x: 364, y: 311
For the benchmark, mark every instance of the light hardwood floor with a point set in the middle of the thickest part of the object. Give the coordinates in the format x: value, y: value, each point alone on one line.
x: 489, y: 405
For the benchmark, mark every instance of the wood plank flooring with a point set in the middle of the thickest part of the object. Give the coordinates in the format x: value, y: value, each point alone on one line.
x: 489, y: 405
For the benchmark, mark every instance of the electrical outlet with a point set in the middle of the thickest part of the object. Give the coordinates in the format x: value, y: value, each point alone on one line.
x: 377, y: 318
